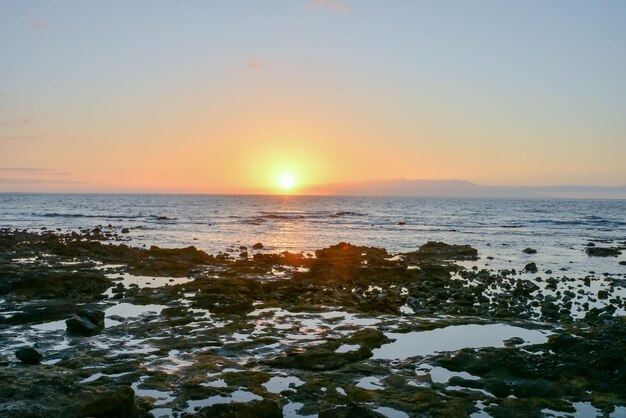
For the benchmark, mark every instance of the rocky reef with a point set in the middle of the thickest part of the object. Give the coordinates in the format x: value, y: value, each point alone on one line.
x: 90, y: 327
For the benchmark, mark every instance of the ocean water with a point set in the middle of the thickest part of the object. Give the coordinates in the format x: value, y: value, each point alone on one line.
x: 558, y: 229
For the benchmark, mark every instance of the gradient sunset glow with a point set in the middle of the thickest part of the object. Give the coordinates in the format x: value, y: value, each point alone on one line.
x: 232, y: 97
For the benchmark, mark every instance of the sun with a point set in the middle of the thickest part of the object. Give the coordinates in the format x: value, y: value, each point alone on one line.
x: 286, y: 181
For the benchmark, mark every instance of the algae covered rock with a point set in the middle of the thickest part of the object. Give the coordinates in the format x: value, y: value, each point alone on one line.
x: 265, y: 408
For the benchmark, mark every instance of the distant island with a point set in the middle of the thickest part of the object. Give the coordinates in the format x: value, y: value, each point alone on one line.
x: 461, y: 188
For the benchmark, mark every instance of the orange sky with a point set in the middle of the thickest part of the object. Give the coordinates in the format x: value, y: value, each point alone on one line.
x: 219, y: 98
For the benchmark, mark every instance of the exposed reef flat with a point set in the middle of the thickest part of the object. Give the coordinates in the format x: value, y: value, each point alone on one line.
x: 105, y: 329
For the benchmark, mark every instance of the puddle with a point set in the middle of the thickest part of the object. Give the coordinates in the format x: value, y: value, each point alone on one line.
x: 390, y: 412
x: 237, y: 396
x: 51, y: 326
x: 97, y: 376
x: 277, y: 384
x: 370, y: 383
x: 290, y: 410
x: 453, y: 338
x: 161, y: 397
x: 346, y: 348
x: 219, y: 383
x: 443, y: 375
x: 129, y: 310
x: 130, y: 280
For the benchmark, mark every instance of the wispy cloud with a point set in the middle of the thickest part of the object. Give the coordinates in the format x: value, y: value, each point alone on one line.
x: 34, y: 170
x: 335, y: 6
x: 17, y: 122
x: 25, y: 181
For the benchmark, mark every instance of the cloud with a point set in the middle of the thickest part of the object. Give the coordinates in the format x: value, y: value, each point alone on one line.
x: 335, y: 6
x: 17, y: 122
x: 23, y: 181
x: 34, y: 170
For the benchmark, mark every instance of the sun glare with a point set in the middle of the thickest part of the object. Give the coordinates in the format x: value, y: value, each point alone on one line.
x: 286, y: 181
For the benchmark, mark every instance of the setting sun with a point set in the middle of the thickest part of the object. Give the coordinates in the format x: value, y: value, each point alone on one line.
x: 286, y: 181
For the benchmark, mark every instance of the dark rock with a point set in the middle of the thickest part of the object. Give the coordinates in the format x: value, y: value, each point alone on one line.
x: 118, y: 401
x: 401, y: 223
x: 265, y: 408
x: 86, y: 322
x: 351, y: 410
x: 603, y: 294
x: 531, y: 268
x: 603, y: 251
x: 443, y: 251
x: 529, y: 251
x: 513, y: 341
x: 622, y: 263
x: 28, y: 355
x: 257, y: 246
x: 125, y: 230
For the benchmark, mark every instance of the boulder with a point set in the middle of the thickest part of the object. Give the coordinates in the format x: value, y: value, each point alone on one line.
x: 86, y: 322
x: 28, y: 355
x: 257, y: 246
x: 531, y: 268
x: 529, y: 251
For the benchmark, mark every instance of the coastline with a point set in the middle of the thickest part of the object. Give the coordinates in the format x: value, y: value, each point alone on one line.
x: 344, y: 330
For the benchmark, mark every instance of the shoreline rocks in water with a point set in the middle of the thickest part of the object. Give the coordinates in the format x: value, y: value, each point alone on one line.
x: 269, y: 334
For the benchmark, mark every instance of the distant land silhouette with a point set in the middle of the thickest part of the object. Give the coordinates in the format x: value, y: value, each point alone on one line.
x: 461, y: 188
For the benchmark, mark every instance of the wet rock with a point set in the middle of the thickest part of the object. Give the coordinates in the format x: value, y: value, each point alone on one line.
x: 33, y: 282
x: 529, y: 251
x: 443, y: 251
x: 265, y: 408
x: 52, y: 392
x: 86, y: 322
x: 513, y: 341
x: 125, y: 230
x: 622, y: 263
x: 531, y: 268
x: 257, y: 246
x: 28, y: 355
x: 351, y: 410
x: 101, y: 402
x: 603, y: 251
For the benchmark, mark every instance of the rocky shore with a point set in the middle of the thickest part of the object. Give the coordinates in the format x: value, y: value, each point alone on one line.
x: 90, y: 327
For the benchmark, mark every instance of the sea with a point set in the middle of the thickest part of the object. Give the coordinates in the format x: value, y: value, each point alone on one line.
x: 500, y: 229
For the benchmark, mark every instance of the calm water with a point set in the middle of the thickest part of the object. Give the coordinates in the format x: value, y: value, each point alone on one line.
x: 558, y: 229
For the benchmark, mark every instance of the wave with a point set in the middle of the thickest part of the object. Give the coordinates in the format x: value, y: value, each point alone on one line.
x: 307, y: 215
x: 99, y: 216
x: 593, y: 221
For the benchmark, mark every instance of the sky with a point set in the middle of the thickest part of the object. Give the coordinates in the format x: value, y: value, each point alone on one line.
x: 229, y: 96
